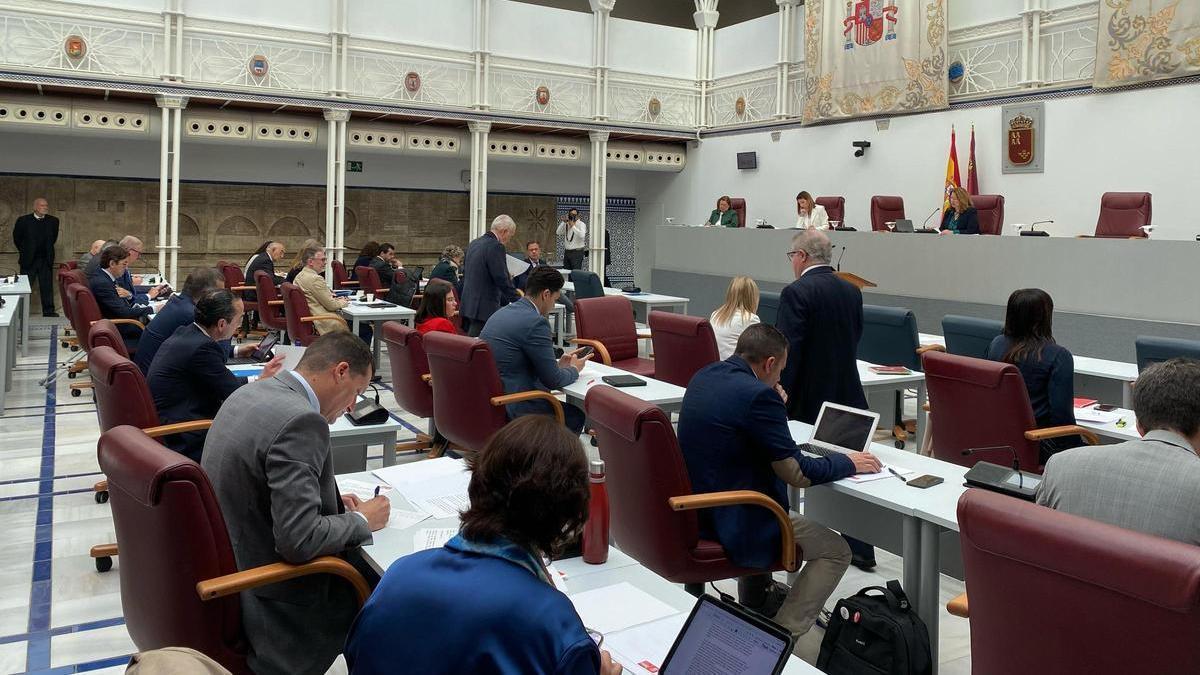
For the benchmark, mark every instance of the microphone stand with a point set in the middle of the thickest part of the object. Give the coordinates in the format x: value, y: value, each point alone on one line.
x: 1016, y: 463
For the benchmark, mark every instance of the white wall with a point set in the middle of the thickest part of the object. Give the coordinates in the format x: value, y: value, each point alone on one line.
x: 1127, y: 141
x: 749, y: 45
x: 525, y: 31
x: 309, y: 15
x: 445, y: 23
x: 639, y: 47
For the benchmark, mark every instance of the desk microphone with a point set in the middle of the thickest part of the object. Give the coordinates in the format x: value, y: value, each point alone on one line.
x: 1034, y: 232
x: 926, y: 223
x: 840, y: 256
x: 1016, y: 463
x: 368, y: 412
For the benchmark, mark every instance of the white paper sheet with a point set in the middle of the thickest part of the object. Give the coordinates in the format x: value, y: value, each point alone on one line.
x: 647, y: 645
x: 1093, y: 416
x: 402, y: 519
x: 883, y: 473
x: 618, y: 607
x: 416, y: 472
x: 432, y: 537
x: 361, y: 489
x: 516, y: 265
x: 442, y: 496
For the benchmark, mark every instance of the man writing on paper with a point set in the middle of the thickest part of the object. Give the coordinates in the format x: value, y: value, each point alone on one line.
x: 733, y: 431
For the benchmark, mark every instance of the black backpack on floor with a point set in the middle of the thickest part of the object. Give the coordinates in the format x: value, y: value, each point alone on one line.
x: 876, y: 633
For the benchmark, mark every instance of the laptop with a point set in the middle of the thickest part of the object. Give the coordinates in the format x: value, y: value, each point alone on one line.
x: 745, y: 643
x: 840, y: 428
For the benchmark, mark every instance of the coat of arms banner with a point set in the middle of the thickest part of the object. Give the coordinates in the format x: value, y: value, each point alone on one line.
x: 871, y: 57
x: 1142, y: 40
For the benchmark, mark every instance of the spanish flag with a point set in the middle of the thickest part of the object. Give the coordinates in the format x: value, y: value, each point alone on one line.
x: 952, y: 179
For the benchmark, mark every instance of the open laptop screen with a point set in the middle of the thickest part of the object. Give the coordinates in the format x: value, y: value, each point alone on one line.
x: 848, y: 429
x: 719, y: 638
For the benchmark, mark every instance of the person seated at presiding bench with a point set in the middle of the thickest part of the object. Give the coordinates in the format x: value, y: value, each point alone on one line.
x: 179, y: 311
x: 961, y: 217
x: 188, y: 379
x: 733, y: 431
x: 1150, y: 485
x: 733, y: 317
x: 723, y: 215
x: 269, y: 461
x: 529, y: 499
x: 809, y: 214
x: 519, y: 336
x: 114, y: 262
x: 1047, y: 368
x: 437, y: 308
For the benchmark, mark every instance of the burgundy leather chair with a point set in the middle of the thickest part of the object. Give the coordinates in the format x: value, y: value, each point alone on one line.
x: 235, y: 281
x: 1049, y: 585
x: 300, y: 326
x: 341, y: 278
x: 468, y: 396
x: 179, y: 578
x: 104, y: 333
x: 270, y: 304
x: 1122, y: 215
x: 653, y: 515
x: 368, y: 280
x: 835, y: 207
x: 990, y: 209
x: 71, y: 264
x: 738, y: 204
x: 84, y: 313
x: 885, y: 209
x: 606, y: 325
x: 410, y: 377
x: 69, y: 274
x: 974, y: 403
x: 682, y: 345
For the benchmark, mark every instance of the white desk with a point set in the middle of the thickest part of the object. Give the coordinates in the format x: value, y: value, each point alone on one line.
x: 558, y: 324
x: 1111, y: 430
x: 872, y: 382
x: 643, y: 303
x: 663, y: 394
x: 8, y: 347
x: 896, y: 517
x: 22, y: 291
x: 359, y: 312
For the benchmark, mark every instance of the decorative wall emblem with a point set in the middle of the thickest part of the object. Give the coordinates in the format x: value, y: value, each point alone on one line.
x: 543, y: 95
x: 865, y: 22
x: 956, y: 72
x: 654, y: 107
x: 1023, y: 126
x: 259, y: 65
x: 739, y: 106
x: 1020, y: 140
x: 412, y: 82
x: 75, y: 47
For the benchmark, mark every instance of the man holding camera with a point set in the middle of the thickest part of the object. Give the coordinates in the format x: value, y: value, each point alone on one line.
x: 575, y: 244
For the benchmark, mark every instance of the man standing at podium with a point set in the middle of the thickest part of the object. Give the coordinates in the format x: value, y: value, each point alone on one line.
x: 822, y: 317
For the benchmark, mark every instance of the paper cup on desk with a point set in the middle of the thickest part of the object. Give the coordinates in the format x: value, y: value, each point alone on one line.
x: 370, y: 297
x: 360, y: 295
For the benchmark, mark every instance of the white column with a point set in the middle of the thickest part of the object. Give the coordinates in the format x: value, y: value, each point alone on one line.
x: 601, y: 10
x: 706, y: 22
x: 479, y: 172
x: 598, y: 198
x: 787, y: 18
x: 335, y: 182
x: 482, y: 55
x: 1026, y: 73
x: 1035, y: 73
x: 168, y: 185
x: 178, y: 65
x: 164, y: 172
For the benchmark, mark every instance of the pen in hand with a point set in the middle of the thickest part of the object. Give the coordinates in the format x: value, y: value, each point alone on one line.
x: 894, y: 473
x: 377, y: 490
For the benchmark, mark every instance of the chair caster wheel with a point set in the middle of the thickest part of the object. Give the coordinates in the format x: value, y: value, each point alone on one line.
x: 102, y: 498
x: 103, y: 564
x: 71, y: 375
x: 65, y: 344
x: 76, y: 392
x: 899, y: 445
x: 74, y: 348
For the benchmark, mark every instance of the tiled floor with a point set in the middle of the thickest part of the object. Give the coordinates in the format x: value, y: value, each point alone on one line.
x: 58, y: 615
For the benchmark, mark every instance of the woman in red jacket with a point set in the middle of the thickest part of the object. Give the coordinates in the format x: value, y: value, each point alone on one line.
x: 437, y: 308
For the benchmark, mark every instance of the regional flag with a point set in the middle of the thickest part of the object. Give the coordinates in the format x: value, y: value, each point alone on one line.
x: 952, y: 179
x: 972, y: 176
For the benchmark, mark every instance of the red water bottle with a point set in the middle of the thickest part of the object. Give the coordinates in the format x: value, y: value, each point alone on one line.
x: 595, y: 532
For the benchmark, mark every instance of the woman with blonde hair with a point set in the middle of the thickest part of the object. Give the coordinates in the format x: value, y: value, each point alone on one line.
x: 739, y: 311
x: 961, y: 217
x: 810, y: 214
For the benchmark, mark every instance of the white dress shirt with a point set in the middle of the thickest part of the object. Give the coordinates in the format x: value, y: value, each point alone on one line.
x: 816, y: 219
x: 727, y: 334
x: 576, y: 234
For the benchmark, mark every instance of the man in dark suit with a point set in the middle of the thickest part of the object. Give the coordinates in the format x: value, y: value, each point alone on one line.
x: 269, y: 461
x: 130, y: 281
x: 519, y: 336
x: 114, y: 261
x: 486, y: 284
x: 93, y: 265
x: 264, y: 261
x: 188, y: 379
x: 179, y: 311
x: 35, y: 235
x: 733, y: 431
x: 533, y: 256
x: 821, y: 315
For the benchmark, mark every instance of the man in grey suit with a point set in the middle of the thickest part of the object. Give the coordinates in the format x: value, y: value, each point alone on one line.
x: 486, y: 284
x: 519, y: 336
x: 1151, y: 485
x: 268, y: 458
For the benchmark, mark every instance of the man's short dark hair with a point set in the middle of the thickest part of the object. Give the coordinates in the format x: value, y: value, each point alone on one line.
x: 1167, y: 396
x: 385, y: 247
x: 332, y: 348
x: 531, y: 242
x: 214, y: 305
x: 760, y: 341
x: 111, y: 254
x: 202, y: 279
x: 543, y: 279
x: 529, y: 485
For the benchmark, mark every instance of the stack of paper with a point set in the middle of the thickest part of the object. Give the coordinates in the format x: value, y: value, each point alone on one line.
x: 437, y: 487
x: 432, y: 537
x: 1094, y: 416
x: 618, y: 607
x: 642, y: 649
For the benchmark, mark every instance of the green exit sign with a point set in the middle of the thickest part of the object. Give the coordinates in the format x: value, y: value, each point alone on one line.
x: 354, y: 167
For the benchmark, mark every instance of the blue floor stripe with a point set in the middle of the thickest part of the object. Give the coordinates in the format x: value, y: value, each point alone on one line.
x: 37, y: 655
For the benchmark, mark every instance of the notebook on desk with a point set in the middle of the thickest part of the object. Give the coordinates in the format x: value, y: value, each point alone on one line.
x: 842, y: 429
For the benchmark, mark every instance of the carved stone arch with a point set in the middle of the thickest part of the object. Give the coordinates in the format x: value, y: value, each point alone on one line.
x: 240, y: 226
x: 190, y: 239
x: 289, y: 229
x: 351, y: 222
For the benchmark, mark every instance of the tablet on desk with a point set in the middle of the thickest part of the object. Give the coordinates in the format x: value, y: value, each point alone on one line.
x: 745, y: 643
x: 623, y: 381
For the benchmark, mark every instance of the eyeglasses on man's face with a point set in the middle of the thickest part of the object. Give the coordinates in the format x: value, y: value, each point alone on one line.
x: 793, y: 254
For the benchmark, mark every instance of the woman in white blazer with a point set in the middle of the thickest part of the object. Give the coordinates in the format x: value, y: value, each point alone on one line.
x: 733, y: 317
x: 809, y: 214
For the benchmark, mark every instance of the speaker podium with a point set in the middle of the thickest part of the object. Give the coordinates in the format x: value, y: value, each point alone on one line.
x: 858, y: 281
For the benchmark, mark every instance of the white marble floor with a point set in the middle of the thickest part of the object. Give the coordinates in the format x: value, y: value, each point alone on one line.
x: 58, y: 615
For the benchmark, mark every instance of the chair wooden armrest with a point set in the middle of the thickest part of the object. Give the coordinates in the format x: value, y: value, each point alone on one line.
x: 601, y: 350
x: 931, y: 348
x: 177, y: 428
x: 277, y: 303
x: 242, y: 288
x: 125, y: 322
x: 324, y: 317
x: 353, y: 282
x: 958, y: 606
x: 532, y: 395
x: 276, y: 572
x: 1064, y: 430
x: 427, y: 379
x: 645, y: 336
x: 748, y: 497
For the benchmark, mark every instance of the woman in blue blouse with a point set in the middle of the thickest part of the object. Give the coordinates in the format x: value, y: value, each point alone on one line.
x: 1047, y: 368
x: 484, y: 603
